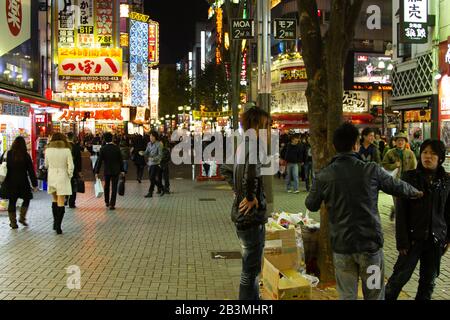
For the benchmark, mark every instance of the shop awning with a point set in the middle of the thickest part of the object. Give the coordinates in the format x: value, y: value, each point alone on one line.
x: 28, y: 98
x: 421, y: 103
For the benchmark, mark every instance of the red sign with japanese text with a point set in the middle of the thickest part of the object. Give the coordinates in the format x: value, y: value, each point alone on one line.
x: 14, y: 16
x: 91, y: 64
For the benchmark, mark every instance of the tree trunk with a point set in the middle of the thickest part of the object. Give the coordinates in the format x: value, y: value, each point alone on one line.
x: 324, y: 58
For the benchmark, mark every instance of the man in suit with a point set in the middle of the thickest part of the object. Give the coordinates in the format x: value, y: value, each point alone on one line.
x: 111, y: 155
x: 76, y: 155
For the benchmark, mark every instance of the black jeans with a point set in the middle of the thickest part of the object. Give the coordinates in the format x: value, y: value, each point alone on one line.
x: 114, y: 179
x: 140, y: 171
x: 154, y: 176
x: 429, y: 253
x: 164, y: 176
x: 12, y: 204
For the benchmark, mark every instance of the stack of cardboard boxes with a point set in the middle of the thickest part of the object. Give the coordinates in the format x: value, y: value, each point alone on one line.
x: 282, y: 261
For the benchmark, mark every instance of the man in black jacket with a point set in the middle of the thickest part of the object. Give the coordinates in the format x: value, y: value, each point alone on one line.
x: 76, y: 155
x: 111, y: 155
x: 349, y: 187
x: 422, y: 226
x: 294, y: 155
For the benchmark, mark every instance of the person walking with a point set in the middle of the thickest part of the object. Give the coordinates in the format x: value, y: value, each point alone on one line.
x: 125, y: 150
x: 369, y: 151
x: 422, y: 226
x: 309, y: 174
x: 154, y: 155
x: 16, y: 185
x: 399, y: 159
x: 293, y: 154
x: 77, y: 173
x: 349, y: 187
x: 165, y: 161
x: 112, y: 157
x: 59, y: 162
x: 138, y: 159
x: 249, y: 209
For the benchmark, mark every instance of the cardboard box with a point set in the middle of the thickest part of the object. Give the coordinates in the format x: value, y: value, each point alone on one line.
x: 280, y: 242
x: 281, y: 280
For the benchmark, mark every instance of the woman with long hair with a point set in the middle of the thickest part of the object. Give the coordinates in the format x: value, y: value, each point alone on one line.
x: 249, y: 210
x: 17, y: 182
x: 58, y: 161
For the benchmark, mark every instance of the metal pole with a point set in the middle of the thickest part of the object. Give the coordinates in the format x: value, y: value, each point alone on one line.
x: 383, y: 132
x: 264, y: 76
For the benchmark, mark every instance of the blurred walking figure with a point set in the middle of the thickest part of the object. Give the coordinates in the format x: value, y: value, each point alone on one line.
x: 111, y: 155
x: 17, y: 182
x: 59, y: 162
x: 165, y: 161
x: 125, y: 150
x: 400, y: 159
x: 249, y: 210
x: 309, y: 174
x: 77, y: 173
x: 423, y: 225
x: 138, y: 159
x: 154, y: 154
x: 349, y: 187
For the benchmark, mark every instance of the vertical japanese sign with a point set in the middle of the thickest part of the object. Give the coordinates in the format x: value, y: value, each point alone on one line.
x: 414, y: 21
x: 104, y: 23
x: 86, y: 23
x: 66, y: 23
x: 154, y: 93
x: 153, y: 42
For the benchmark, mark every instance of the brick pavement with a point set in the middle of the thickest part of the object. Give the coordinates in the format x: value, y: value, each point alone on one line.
x: 156, y: 248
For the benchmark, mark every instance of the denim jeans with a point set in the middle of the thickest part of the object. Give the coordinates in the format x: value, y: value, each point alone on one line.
x: 125, y: 166
x: 252, y: 243
x: 308, y: 174
x: 429, y: 253
x: 292, y: 174
x: 367, y: 266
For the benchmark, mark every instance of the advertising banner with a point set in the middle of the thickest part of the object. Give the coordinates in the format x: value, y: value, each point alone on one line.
x: 66, y: 23
x: 15, y: 23
x: 138, y: 73
x: 86, y: 23
x: 153, y: 42
x: 104, y: 23
x: 90, y: 64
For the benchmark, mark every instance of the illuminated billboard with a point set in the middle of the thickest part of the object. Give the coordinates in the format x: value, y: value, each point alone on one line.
x: 372, y: 68
x: 153, y: 43
x: 138, y: 72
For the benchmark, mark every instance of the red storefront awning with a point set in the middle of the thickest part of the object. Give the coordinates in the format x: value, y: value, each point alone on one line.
x: 42, y: 101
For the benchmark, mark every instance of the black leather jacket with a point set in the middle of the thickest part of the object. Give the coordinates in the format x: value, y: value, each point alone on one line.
x: 247, y: 182
x: 349, y: 187
x: 416, y: 219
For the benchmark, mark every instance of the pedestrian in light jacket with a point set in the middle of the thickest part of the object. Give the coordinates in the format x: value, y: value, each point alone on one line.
x: 423, y: 225
x: 154, y: 153
x: 17, y: 182
x: 349, y: 188
x: 59, y: 162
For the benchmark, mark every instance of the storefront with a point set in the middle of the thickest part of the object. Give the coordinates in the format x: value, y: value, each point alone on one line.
x: 444, y: 98
x: 289, y: 103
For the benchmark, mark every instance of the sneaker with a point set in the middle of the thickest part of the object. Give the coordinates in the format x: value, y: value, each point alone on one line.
x: 148, y: 195
x: 289, y: 191
x: 296, y: 191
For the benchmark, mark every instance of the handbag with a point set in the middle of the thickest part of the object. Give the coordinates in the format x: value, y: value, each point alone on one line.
x: 81, y: 188
x: 3, y: 169
x: 42, y: 174
x: 98, y: 188
x: 121, y: 187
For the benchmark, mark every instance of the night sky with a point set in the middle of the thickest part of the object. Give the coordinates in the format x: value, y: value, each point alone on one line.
x: 177, y: 23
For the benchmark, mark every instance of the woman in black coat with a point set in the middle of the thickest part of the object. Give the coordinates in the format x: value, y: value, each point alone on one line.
x: 423, y: 225
x: 17, y: 181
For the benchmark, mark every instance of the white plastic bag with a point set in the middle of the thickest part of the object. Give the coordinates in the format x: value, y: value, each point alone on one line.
x: 98, y: 188
x: 3, y: 169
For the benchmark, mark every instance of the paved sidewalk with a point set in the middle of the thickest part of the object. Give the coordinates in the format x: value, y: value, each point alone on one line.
x: 157, y: 248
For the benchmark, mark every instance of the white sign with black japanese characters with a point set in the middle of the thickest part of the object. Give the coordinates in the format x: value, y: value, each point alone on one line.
x: 414, y: 21
x: 415, y: 11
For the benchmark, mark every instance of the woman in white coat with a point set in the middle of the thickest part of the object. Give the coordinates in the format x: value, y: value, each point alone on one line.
x: 58, y: 161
